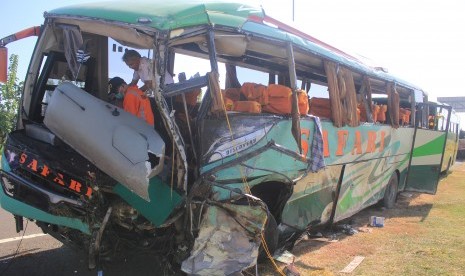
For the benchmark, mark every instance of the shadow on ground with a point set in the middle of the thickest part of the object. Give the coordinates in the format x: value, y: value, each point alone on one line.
x: 359, y: 221
x: 64, y: 261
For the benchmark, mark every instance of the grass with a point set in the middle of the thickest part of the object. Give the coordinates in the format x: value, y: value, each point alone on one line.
x: 423, y: 235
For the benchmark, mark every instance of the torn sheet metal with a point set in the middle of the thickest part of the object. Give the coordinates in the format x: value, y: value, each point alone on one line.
x: 118, y: 143
x: 228, y: 241
x: 178, y: 142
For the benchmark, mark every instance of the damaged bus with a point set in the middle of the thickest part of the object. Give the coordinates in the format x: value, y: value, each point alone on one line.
x: 276, y: 134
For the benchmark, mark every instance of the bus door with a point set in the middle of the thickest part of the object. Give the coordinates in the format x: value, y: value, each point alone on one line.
x: 428, y: 147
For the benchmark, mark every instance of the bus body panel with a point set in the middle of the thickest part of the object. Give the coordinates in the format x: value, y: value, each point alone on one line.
x: 372, y: 154
x: 426, y: 161
x: 450, y: 152
x: 230, y: 176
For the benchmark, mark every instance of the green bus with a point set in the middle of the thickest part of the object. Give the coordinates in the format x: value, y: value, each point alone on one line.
x: 265, y: 133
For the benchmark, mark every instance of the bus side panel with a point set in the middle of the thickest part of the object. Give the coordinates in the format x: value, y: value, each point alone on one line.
x: 450, y: 151
x: 364, y: 182
x: 312, y: 199
x: 383, y: 150
x: 424, y: 170
x: 270, y: 159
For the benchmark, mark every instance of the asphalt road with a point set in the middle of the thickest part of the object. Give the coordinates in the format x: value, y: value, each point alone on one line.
x: 38, y: 254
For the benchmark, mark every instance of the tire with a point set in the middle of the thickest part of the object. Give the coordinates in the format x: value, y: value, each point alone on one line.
x: 271, y: 238
x: 390, y: 194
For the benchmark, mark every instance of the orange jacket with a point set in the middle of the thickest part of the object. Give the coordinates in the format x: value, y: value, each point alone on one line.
x: 137, y: 103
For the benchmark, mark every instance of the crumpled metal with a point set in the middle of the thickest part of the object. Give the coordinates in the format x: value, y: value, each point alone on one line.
x: 228, y: 240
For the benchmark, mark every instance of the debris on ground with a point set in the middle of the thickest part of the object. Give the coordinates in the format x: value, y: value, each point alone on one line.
x: 406, y: 195
x: 304, y: 237
x: 346, y: 229
x: 315, y: 235
x: 365, y: 229
x: 331, y: 236
x: 353, y: 264
x: 318, y: 236
x: 376, y: 221
x: 291, y: 270
x: 325, y: 239
x: 284, y: 257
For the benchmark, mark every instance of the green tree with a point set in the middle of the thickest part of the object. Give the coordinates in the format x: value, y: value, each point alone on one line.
x: 9, y: 100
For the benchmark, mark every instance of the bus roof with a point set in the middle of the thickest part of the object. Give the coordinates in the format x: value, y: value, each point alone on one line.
x: 174, y: 14
x: 166, y: 15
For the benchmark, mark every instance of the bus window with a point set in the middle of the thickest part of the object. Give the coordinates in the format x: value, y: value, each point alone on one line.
x: 441, y: 117
x: 319, y: 91
x: 253, y: 76
x: 183, y: 69
x: 319, y: 104
x: 54, y: 71
x: 183, y: 64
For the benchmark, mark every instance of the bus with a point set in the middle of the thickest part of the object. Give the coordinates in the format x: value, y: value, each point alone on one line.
x: 265, y: 133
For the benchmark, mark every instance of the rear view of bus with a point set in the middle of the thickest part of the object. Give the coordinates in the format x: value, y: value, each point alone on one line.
x: 265, y: 133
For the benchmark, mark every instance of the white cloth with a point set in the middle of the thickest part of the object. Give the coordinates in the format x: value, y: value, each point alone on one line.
x: 145, y: 72
x: 168, y: 78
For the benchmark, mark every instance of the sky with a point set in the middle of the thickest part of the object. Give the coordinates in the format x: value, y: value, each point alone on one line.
x: 420, y: 41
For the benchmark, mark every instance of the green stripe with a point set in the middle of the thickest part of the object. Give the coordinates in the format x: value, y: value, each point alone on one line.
x: 431, y: 148
x: 163, y: 200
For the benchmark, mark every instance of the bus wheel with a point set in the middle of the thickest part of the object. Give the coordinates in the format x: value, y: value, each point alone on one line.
x: 390, y: 195
x: 270, y: 234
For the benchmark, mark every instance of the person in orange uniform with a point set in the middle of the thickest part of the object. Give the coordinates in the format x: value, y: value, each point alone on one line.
x: 135, y: 101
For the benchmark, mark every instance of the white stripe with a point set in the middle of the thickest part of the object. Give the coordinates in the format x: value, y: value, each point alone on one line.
x: 434, y: 159
x: 18, y: 238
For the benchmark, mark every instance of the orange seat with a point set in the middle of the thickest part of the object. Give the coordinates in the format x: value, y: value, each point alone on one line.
x: 303, y: 102
x: 228, y: 103
x: 191, y: 97
x: 247, y: 106
x: 362, y: 110
x: 255, y: 92
x: 279, y: 91
x: 279, y: 99
x: 374, y: 112
x: 382, y: 113
x: 320, y: 107
x: 404, y: 116
x: 233, y: 93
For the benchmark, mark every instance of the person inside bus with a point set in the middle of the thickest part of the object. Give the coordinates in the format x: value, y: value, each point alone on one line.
x: 142, y: 67
x: 114, y: 96
x: 134, y: 100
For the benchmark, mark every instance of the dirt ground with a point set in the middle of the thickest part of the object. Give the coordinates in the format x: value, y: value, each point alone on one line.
x: 422, y: 235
